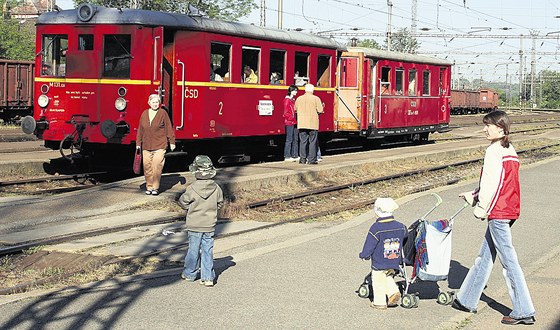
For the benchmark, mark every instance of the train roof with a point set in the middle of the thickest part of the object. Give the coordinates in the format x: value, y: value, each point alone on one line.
x: 402, y: 57
x: 126, y: 16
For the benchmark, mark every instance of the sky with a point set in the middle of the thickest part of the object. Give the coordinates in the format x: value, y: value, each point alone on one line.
x: 482, y: 37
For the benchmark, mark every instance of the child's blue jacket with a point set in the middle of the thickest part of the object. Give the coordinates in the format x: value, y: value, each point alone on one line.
x: 384, y: 243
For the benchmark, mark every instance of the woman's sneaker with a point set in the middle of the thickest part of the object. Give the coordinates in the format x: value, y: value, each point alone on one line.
x: 207, y: 283
x: 155, y: 192
x: 148, y: 192
x: 525, y: 320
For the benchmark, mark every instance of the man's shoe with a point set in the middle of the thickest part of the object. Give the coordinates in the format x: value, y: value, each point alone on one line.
x: 394, y: 300
x: 302, y: 161
x: 511, y: 321
x: 458, y: 306
x: 313, y: 163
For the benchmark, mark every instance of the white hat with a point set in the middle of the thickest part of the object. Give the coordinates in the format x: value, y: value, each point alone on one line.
x: 309, y: 88
x: 385, y: 206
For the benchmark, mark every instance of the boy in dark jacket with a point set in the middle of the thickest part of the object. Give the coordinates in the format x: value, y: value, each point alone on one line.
x: 201, y: 199
x: 383, y: 246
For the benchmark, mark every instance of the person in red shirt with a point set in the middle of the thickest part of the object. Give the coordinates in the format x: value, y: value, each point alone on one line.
x: 154, y: 132
x: 291, y: 148
x: 497, y: 200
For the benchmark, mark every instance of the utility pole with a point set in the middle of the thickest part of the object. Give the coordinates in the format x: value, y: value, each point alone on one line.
x: 533, y: 70
x: 390, y: 5
x: 520, y: 70
x: 414, y: 17
x: 280, y: 8
x: 263, y: 13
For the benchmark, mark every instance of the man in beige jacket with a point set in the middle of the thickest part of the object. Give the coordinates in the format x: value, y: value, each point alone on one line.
x: 308, y: 107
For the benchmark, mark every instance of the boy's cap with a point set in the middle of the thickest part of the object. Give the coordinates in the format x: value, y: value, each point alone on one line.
x: 202, y: 167
x: 385, y: 206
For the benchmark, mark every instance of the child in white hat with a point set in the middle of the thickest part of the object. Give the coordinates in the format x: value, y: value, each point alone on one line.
x: 383, y: 246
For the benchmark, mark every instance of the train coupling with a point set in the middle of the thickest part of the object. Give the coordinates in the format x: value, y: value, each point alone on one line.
x: 110, y: 129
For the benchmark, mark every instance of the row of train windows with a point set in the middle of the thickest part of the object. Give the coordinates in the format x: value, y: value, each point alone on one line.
x: 278, y: 74
x: 349, y: 79
x: 116, y: 54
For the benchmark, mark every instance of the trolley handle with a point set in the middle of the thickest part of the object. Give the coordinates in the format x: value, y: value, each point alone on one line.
x: 438, y: 203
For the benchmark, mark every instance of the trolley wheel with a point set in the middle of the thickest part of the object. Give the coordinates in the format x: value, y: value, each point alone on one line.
x: 363, y: 291
x: 416, y: 300
x: 409, y: 301
x: 444, y: 298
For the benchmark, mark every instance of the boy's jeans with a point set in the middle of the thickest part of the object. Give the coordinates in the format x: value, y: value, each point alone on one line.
x: 497, y: 241
x: 203, y: 242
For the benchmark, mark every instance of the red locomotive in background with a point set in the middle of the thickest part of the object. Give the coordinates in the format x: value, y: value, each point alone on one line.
x: 96, y: 67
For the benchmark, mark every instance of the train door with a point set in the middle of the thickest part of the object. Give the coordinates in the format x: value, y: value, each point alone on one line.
x: 349, y: 105
x: 167, y: 72
x: 444, y: 95
x: 369, y: 92
x: 156, y: 67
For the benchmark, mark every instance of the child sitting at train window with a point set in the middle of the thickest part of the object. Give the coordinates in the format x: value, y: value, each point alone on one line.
x: 202, y: 200
x: 383, y: 246
x: 275, y: 78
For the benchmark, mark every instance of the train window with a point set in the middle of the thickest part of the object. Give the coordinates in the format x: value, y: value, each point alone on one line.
x: 426, y: 83
x: 85, y: 42
x: 349, y: 72
x: 385, y: 80
x: 324, y: 71
x: 277, y: 67
x: 412, y: 82
x: 301, y: 69
x: 399, y: 81
x: 116, y: 56
x: 53, y: 55
x: 250, y: 57
x: 220, y: 61
x: 441, y: 81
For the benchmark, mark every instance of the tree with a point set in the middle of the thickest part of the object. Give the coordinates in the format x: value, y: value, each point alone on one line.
x: 550, y: 89
x: 402, y: 41
x: 221, y: 9
x: 367, y: 43
x: 17, y: 40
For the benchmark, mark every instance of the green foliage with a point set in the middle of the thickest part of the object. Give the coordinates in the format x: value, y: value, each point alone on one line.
x: 550, y: 90
x: 402, y: 41
x: 17, y: 40
x: 367, y: 43
x: 221, y: 9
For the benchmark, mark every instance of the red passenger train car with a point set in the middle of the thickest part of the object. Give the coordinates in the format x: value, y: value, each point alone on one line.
x: 96, y: 67
x: 390, y: 94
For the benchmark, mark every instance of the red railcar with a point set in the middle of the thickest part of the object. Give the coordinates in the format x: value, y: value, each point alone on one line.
x: 382, y: 93
x: 470, y: 101
x: 488, y: 100
x: 16, y: 89
x: 97, y: 66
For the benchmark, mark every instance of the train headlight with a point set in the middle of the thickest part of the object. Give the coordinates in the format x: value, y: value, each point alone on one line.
x: 43, y: 100
x: 86, y: 12
x: 120, y: 104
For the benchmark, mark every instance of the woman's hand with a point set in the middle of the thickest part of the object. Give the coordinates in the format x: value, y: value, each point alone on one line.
x: 468, y: 197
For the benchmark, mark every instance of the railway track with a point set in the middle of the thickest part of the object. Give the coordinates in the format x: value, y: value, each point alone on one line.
x: 422, y: 179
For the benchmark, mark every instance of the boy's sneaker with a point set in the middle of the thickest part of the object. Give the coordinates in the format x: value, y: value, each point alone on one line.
x: 208, y: 283
x: 394, y: 300
x: 372, y: 305
x: 186, y: 278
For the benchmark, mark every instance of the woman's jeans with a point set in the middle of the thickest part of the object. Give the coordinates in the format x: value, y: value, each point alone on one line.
x: 291, y: 149
x: 497, y: 241
x: 203, y: 242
